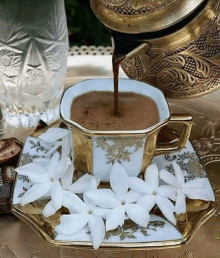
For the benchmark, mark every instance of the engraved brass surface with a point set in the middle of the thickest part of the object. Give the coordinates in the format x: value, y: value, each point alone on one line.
x: 136, y: 16
x: 191, y: 68
x: 185, y: 62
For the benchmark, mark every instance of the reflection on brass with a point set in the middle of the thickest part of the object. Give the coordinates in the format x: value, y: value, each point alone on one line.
x: 37, y: 222
x: 181, y: 217
x: 189, y: 227
x: 54, y: 220
x: 196, y: 205
x: 33, y: 208
x: 192, y: 206
x: 82, y: 151
x: 149, y: 150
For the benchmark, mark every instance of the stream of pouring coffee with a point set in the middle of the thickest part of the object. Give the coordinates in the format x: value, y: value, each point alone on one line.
x: 116, y: 60
x: 121, y: 50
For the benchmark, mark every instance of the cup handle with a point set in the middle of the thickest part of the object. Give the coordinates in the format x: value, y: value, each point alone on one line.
x: 186, y: 120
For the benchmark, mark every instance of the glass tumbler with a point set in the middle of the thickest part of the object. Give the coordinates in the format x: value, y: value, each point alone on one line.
x: 33, y: 60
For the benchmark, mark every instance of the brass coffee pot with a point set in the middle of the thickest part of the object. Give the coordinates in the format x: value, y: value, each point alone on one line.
x: 171, y: 44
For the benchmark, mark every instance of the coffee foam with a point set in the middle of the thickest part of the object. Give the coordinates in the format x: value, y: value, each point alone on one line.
x: 95, y: 111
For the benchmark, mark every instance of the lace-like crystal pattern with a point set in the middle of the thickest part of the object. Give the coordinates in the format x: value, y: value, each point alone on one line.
x: 33, y: 57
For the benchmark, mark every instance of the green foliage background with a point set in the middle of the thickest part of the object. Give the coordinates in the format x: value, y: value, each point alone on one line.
x: 84, y: 28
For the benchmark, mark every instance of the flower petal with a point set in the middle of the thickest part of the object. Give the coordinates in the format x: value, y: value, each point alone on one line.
x: 178, y: 173
x: 195, y: 183
x: 35, y: 173
x: 133, y: 196
x: 180, y: 206
x: 54, y: 161
x: 53, y: 134
x: 66, y: 147
x: 44, y: 163
x: 152, y: 176
x: 147, y: 202
x: 200, y: 194
x: 140, y: 186
x: 168, y: 178
x: 115, y: 217
x: 49, y: 209
x: 104, y: 198
x: 119, y: 181
x: 167, y: 191
x: 67, y: 178
x: 62, y: 167
x: 72, y: 223
x: 81, y: 234
x: 91, y: 186
x: 53, y: 149
x: 97, y: 230
x: 166, y: 207
x: 72, y: 202
x: 138, y: 214
x: 56, y: 194
x: 80, y: 184
x: 35, y: 192
x: 101, y: 212
x: 88, y: 202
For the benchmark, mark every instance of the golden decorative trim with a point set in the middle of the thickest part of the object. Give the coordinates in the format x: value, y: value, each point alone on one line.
x: 117, y: 151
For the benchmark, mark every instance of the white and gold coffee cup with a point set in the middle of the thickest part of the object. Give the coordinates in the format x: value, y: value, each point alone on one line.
x: 95, y: 151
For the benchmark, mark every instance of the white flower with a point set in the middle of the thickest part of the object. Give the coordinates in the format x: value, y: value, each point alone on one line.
x: 192, y: 189
x: 120, y: 200
x: 68, y: 198
x: 57, y: 137
x: 84, y: 213
x: 79, y: 186
x: 153, y: 193
x: 47, y: 176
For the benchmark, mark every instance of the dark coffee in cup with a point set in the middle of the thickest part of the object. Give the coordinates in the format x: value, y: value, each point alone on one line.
x: 95, y: 111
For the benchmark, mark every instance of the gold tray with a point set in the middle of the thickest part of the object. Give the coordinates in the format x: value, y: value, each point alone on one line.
x: 160, y: 233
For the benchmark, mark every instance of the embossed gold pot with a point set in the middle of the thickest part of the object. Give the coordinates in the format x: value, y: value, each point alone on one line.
x: 95, y: 151
x: 175, y: 44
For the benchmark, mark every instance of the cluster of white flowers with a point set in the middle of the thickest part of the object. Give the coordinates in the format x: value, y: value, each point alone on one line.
x: 101, y: 210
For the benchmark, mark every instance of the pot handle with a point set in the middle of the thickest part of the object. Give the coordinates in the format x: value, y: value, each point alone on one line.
x: 186, y: 121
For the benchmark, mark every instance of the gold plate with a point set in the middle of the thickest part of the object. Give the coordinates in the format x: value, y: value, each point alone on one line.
x: 198, y: 212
